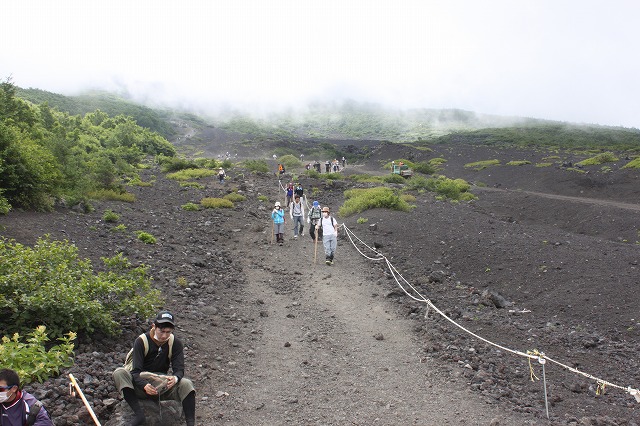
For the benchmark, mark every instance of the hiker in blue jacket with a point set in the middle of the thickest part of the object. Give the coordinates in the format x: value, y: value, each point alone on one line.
x: 278, y: 222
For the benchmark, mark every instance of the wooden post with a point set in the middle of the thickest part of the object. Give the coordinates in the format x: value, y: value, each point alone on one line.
x: 86, y: 403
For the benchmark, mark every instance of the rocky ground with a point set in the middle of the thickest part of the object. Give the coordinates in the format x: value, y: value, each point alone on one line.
x: 546, y: 259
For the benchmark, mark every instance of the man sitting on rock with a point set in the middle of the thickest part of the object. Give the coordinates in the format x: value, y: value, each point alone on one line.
x: 152, y: 355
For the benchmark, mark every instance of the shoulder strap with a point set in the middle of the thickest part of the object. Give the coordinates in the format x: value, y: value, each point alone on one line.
x: 33, y: 412
x: 145, y: 342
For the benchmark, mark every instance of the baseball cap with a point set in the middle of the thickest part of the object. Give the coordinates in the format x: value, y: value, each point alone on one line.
x: 165, y: 317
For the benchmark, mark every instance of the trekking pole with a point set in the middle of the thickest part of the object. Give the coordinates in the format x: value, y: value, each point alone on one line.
x: 86, y: 403
x: 272, y: 230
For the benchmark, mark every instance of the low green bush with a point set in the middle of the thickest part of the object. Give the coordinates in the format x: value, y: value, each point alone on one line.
x: 605, y: 157
x: 235, y: 197
x: 173, y: 164
x: 444, y: 187
x: 479, y: 165
x: 362, y: 220
x: 256, y: 166
x: 110, y: 216
x: 119, y: 228
x: 394, y: 179
x: 190, y: 207
x: 426, y: 168
x: 136, y: 181
x: 49, y: 284
x: 366, y: 178
x: 216, y: 203
x: 358, y: 200
x: 544, y: 164
x: 192, y: 185
x: 518, y: 163
x: 633, y: 164
x: 146, y: 237
x: 32, y: 360
x: 189, y: 174
x: 5, y: 207
x: 290, y: 161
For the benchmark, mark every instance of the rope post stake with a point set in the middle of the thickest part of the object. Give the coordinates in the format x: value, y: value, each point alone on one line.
x: 74, y: 383
x: 543, y: 361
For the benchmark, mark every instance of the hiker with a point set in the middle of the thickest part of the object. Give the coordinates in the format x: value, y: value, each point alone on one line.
x: 314, y: 216
x: 278, y: 223
x: 296, y: 211
x: 327, y: 166
x: 17, y: 407
x: 154, y: 352
x: 221, y: 175
x: 281, y: 169
x: 299, y: 191
x: 316, y: 165
x: 329, y: 228
x: 344, y: 162
x: 290, y: 190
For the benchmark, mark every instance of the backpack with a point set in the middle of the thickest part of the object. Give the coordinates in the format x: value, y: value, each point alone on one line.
x: 315, y: 213
x: 33, y: 412
x: 128, y: 361
x: 333, y: 222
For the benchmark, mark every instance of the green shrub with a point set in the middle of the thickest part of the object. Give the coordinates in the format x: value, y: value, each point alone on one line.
x: 190, y: 207
x: 544, y: 164
x: 605, y: 157
x: 408, y: 198
x: 358, y: 200
x: 192, y: 185
x: 312, y: 174
x: 32, y: 360
x: 518, y: 163
x: 263, y: 198
x: 394, y: 179
x: 173, y: 164
x: 216, y: 203
x: 136, y: 181
x: 633, y: 164
x: 256, y: 166
x: 110, y: 216
x: 290, y: 161
x: 362, y: 220
x: 424, y: 168
x: 449, y: 188
x: 188, y: 174
x: 479, y: 165
x: 5, y: 207
x: 437, y: 161
x: 333, y: 176
x: 146, y: 237
x: 112, y: 195
x: 235, y: 197
x: 119, y: 228
x: 49, y: 284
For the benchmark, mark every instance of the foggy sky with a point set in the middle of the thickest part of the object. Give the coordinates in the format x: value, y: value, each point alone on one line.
x: 563, y: 60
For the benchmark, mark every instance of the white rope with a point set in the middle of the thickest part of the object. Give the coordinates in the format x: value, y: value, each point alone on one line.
x: 535, y: 354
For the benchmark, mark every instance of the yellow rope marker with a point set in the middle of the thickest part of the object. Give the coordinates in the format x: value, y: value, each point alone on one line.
x: 600, y: 389
x: 86, y: 403
x: 532, y: 375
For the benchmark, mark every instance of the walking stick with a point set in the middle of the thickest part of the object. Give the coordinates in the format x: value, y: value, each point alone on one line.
x: 315, y: 251
x: 74, y: 384
x: 272, y: 229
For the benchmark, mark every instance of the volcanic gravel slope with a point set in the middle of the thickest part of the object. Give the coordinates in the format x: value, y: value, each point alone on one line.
x: 273, y: 337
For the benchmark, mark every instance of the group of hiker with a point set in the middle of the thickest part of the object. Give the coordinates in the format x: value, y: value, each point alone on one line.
x: 322, y: 226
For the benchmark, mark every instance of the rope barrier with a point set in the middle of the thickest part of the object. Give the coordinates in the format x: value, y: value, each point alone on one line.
x: 541, y: 357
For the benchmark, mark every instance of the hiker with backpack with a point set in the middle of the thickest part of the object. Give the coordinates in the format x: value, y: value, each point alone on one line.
x: 296, y: 211
x: 314, y: 216
x: 17, y: 407
x: 299, y: 191
x: 145, y: 373
x: 329, y: 228
x: 290, y: 190
x: 221, y: 175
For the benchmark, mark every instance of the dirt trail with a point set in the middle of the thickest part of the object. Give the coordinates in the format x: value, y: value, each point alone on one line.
x: 592, y: 201
x: 316, y: 359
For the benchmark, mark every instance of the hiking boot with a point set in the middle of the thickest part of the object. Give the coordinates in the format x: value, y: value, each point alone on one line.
x: 328, y: 262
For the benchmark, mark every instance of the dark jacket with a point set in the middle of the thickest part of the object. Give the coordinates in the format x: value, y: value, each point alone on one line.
x: 157, y: 359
